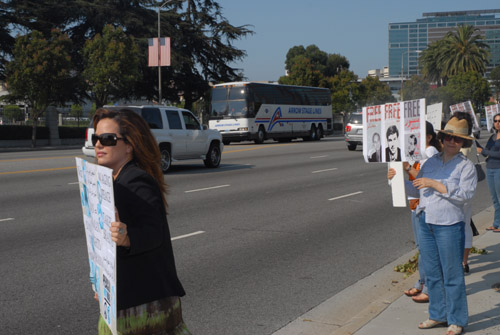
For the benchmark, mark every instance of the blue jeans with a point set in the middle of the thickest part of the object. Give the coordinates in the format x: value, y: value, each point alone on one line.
x: 420, y: 284
x: 493, y: 179
x: 442, y: 252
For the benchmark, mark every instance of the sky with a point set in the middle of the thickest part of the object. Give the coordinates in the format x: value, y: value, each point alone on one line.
x: 356, y: 29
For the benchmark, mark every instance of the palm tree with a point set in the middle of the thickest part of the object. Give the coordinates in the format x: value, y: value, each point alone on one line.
x: 429, y: 65
x: 463, y: 51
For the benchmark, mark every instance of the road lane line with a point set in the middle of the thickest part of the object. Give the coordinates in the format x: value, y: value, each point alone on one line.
x: 7, y: 219
x: 256, y: 148
x: 73, y: 183
x: 187, y: 235
x: 347, y: 195
x: 41, y: 170
x: 319, y: 156
x: 318, y: 171
x: 207, y: 188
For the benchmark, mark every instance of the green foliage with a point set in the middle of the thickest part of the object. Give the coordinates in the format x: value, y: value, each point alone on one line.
x: 345, y: 91
x: 303, y: 73
x: 457, y: 52
x: 478, y: 251
x: 40, y: 72
x: 327, y: 64
x: 13, y: 113
x: 374, y: 92
x: 495, y: 81
x: 111, y: 65
x: 468, y: 86
x: 409, y: 267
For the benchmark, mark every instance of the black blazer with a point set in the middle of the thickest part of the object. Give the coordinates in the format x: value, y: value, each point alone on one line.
x: 145, y: 271
x: 388, y: 155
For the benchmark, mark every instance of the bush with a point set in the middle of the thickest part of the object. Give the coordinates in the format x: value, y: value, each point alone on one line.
x: 11, y: 132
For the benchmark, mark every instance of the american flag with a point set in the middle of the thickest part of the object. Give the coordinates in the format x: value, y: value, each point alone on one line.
x: 153, y: 51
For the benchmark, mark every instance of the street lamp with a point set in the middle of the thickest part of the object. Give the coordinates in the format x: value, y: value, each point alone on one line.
x: 402, y: 67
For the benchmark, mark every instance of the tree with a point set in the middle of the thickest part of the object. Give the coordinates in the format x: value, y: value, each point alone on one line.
x: 76, y: 112
x: 111, y: 65
x: 374, y: 92
x: 463, y: 51
x: 345, y: 91
x: 13, y: 113
x: 418, y: 88
x: 302, y: 73
x: 495, y: 81
x: 327, y: 64
x: 429, y: 64
x: 468, y: 86
x: 40, y: 73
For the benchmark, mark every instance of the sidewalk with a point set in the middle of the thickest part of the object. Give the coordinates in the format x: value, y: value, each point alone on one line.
x: 376, y: 305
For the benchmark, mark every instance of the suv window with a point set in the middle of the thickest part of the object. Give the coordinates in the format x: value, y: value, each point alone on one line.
x: 356, y: 118
x: 174, y: 121
x: 190, y: 121
x: 153, y: 118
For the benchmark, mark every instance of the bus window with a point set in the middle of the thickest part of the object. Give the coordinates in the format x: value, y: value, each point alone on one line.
x: 237, y: 93
x: 219, y: 93
x: 219, y: 109
x: 238, y: 108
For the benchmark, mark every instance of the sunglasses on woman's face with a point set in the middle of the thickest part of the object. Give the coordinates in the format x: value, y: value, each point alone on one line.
x: 108, y: 139
x: 455, y: 139
x: 498, y: 120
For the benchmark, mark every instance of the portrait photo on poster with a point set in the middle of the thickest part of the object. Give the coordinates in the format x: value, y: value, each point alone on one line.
x: 392, y: 150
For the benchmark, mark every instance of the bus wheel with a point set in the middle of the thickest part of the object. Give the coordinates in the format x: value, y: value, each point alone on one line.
x: 261, y: 136
x: 319, y: 133
x: 313, y: 136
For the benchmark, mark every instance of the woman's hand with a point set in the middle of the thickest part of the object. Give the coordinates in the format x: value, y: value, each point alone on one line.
x: 421, y: 183
x: 479, y: 150
x: 391, y: 173
x: 96, y: 297
x: 119, y: 233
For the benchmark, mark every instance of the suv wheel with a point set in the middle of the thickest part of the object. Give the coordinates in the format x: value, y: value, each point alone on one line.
x: 213, y: 156
x: 351, y: 146
x: 166, y: 159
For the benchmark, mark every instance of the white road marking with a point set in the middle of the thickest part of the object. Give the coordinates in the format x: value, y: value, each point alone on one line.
x: 72, y: 183
x: 319, y: 156
x: 347, y: 195
x: 187, y: 235
x: 7, y: 219
x: 207, y: 188
x: 332, y: 169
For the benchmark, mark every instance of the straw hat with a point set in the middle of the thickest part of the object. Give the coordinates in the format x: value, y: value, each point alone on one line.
x: 458, y: 128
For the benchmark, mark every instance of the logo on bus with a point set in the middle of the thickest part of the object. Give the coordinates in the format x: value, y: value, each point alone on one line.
x: 275, y: 119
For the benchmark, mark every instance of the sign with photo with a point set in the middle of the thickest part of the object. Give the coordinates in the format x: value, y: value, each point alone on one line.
x: 434, y: 115
x: 466, y: 107
x: 491, y: 111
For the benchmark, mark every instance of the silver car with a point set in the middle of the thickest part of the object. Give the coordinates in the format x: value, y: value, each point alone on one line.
x: 353, y: 131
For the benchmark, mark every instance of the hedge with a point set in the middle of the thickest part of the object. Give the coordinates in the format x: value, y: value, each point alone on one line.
x: 11, y: 132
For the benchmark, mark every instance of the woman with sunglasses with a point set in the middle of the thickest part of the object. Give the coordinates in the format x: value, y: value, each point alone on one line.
x: 492, y: 153
x: 148, y: 289
x: 444, y: 184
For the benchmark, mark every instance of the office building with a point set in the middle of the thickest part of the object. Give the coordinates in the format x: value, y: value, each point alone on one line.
x: 408, y: 39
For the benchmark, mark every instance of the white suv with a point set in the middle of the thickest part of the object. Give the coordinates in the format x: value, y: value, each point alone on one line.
x: 178, y: 133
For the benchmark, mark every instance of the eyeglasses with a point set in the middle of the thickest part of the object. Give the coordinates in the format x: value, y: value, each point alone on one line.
x: 107, y: 139
x: 496, y: 121
x: 455, y: 139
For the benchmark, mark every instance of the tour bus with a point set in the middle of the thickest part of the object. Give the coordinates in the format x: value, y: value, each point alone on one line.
x: 243, y: 111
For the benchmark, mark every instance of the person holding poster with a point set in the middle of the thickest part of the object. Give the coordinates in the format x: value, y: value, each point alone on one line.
x: 492, y: 153
x: 444, y: 184
x: 148, y: 288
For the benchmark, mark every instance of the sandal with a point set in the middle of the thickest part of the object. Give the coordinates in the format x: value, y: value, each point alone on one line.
x: 420, y: 298
x: 430, y: 324
x: 454, y: 330
x: 412, y: 291
x: 496, y: 230
x: 491, y: 228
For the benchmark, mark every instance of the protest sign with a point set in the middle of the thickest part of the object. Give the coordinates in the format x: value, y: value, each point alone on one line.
x: 413, y: 130
x: 96, y: 191
x: 491, y: 111
x: 391, y: 129
x: 372, y: 130
x: 434, y: 115
x: 467, y: 108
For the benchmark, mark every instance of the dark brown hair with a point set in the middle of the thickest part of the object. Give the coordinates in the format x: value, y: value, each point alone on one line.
x: 137, y: 134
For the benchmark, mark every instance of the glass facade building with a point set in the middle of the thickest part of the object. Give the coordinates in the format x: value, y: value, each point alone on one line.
x: 408, y: 39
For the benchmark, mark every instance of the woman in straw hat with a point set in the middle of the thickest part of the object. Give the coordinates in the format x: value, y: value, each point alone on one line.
x: 444, y: 184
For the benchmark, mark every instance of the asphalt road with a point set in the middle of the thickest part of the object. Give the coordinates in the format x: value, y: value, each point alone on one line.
x: 272, y: 233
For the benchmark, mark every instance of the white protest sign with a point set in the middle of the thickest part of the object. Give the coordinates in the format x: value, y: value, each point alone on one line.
x: 372, y: 130
x: 467, y: 108
x: 413, y: 130
x: 398, y: 185
x: 98, y: 205
x: 434, y: 115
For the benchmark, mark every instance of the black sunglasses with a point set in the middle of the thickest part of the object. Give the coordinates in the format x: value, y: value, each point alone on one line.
x: 496, y: 121
x: 454, y: 138
x: 107, y: 139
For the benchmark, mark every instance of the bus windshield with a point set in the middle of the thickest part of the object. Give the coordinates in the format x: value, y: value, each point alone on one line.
x: 229, y: 102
